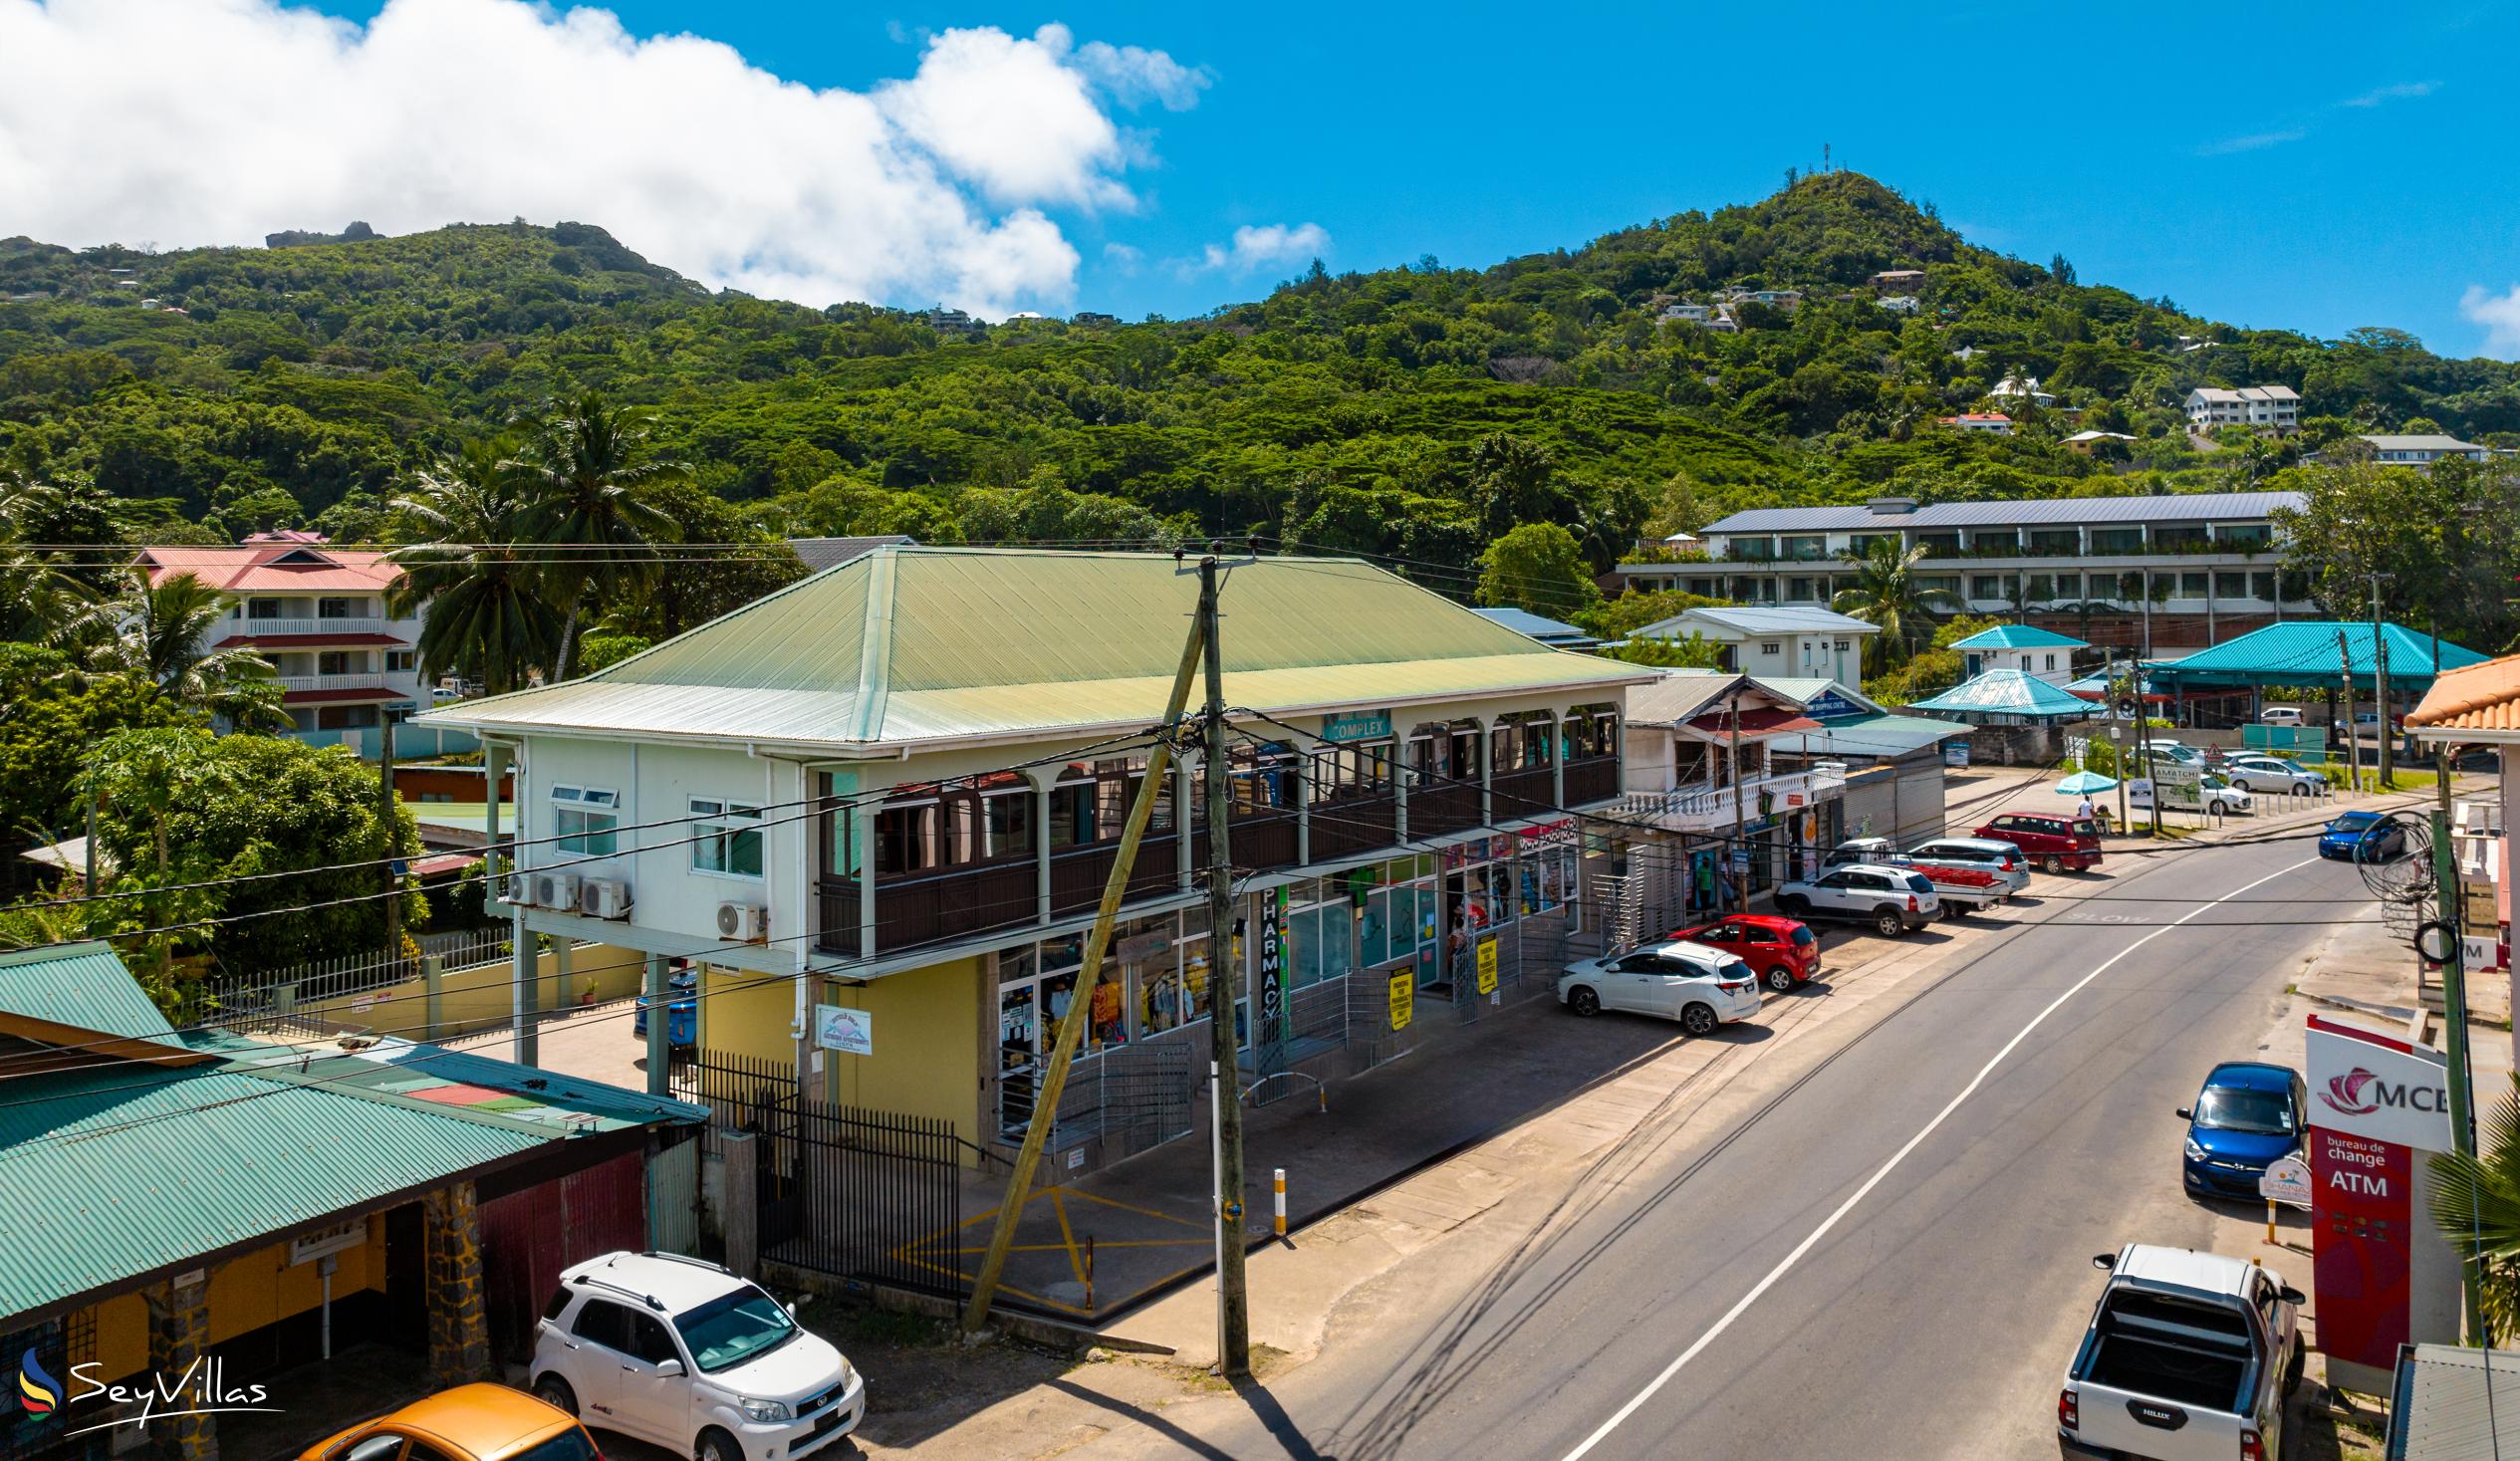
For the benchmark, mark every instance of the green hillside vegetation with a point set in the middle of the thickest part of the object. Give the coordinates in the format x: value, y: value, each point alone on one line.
x: 1413, y: 412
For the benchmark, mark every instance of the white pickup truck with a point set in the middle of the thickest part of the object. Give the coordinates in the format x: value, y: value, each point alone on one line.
x: 2188, y: 1354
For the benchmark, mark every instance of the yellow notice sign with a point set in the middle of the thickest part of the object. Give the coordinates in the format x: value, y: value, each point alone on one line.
x: 1487, y: 967
x: 1403, y: 998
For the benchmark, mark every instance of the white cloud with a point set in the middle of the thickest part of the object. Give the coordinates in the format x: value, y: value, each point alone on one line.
x: 1266, y: 246
x: 2404, y: 91
x: 1124, y: 258
x: 2254, y: 142
x: 2499, y: 314
x: 197, y: 121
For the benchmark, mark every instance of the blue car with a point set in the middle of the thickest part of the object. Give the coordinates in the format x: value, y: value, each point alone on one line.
x: 683, y: 1013
x: 2246, y: 1116
x: 2340, y: 838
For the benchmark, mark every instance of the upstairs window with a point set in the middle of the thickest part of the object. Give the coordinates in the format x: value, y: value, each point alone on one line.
x: 587, y: 819
x: 725, y: 838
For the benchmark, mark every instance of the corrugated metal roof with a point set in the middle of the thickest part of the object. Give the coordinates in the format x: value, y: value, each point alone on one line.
x: 2020, y: 636
x: 2475, y: 697
x: 1545, y: 631
x: 920, y: 644
x: 2303, y: 651
x: 817, y: 554
x: 2420, y: 442
x: 275, y: 568
x: 2182, y: 507
x: 1764, y: 622
x: 1882, y: 737
x: 2453, y: 1404
x: 83, y: 986
x: 2007, y: 692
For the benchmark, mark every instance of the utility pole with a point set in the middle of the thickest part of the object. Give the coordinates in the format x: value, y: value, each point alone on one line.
x: 1739, y: 851
x: 2143, y: 745
x: 2379, y: 679
x: 2352, y: 747
x: 2445, y: 882
x: 1233, y: 1296
x: 393, y: 876
x: 1071, y: 1033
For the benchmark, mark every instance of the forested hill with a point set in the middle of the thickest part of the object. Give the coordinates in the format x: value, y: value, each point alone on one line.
x: 1416, y: 413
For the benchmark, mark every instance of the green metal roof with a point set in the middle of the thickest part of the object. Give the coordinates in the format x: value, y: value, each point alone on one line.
x: 2019, y: 636
x: 2303, y: 653
x: 2008, y: 693
x: 114, y: 1170
x: 83, y: 986
x: 1878, y: 736
x: 925, y: 644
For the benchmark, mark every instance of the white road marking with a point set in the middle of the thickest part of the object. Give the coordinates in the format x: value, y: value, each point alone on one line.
x: 1786, y: 1264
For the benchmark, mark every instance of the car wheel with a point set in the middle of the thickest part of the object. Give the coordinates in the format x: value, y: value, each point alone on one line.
x: 717, y: 1445
x: 2055, y: 863
x: 554, y: 1391
x: 2294, y: 1366
x: 1781, y: 979
x: 1699, y: 1019
x: 1888, y: 923
x: 1794, y: 903
x: 1583, y: 1001
x: 2301, y: 789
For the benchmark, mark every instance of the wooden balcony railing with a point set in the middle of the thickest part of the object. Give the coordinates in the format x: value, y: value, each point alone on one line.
x: 1442, y: 808
x: 1524, y: 792
x: 1595, y: 779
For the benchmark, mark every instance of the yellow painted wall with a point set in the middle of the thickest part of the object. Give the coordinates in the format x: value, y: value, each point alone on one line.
x: 479, y: 997
x: 121, y: 1337
x: 926, y: 1034
x: 747, y: 1014
x: 261, y: 1288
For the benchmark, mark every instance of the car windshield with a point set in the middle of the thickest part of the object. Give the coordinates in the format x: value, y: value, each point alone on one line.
x: 2227, y: 1109
x: 732, y: 1329
x: 573, y: 1444
x: 2353, y: 821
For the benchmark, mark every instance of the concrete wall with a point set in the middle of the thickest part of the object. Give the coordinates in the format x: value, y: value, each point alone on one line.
x: 747, y: 1014
x: 479, y: 996
x: 927, y: 1034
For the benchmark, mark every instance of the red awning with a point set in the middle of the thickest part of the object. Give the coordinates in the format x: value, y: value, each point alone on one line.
x: 443, y: 864
x: 1755, y: 723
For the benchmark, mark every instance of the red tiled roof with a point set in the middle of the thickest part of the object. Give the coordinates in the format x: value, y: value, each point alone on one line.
x: 441, y: 865
x: 2475, y: 697
x: 1756, y: 723
x: 310, y: 642
x: 275, y: 568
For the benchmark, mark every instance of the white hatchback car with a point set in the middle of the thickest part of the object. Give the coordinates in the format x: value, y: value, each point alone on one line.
x: 685, y: 1355
x: 1698, y: 985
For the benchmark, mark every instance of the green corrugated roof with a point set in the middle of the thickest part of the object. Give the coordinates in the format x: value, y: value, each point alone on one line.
x: 2019, y: 636
x: 2008, y: 693
x: 2303, y: 652
x: 81, y: 985
x: 1883, y: 736
x: 922, y: 645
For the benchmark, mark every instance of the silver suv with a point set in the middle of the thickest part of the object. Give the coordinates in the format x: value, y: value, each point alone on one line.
x: 685, y: 1355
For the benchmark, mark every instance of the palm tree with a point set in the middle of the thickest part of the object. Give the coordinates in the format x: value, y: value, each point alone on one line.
x: 490, y: 612
x: 2477, y: 1205
x: 39, y: 592
x: 158, y: 631
x: 1889, y: 594
x: 590, y: 478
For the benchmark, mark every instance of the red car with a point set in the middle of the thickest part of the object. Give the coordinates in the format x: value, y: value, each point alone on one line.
x: 1783, y: 951
x: 2056, y: 842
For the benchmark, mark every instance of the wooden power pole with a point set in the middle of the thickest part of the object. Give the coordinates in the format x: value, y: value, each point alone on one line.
x: 1233, y: 1296
x: 1070, y: 1031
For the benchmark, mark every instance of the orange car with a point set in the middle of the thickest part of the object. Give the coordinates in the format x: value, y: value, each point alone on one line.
x: 466, y: 1424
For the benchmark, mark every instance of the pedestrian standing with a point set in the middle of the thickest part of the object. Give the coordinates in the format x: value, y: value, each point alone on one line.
x: 2083, y: 809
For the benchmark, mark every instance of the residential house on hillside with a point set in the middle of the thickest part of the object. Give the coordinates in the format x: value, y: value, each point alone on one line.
x: 1899, y: 304
x: 319, y: 614
x: 1899, y: 282
x: 1694, y: 314
x: 1993, y: 423
x: 2022, y: 388
x: 2185, y: 569
x: 2266, y: 408
x: 2084, y: 443
x: 898, y: 785
x: 2421, y: 451
x: 1772, y: 641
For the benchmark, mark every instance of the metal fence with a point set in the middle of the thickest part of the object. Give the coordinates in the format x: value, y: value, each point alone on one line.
x: 1130, y: 1098
x: 265, y: 998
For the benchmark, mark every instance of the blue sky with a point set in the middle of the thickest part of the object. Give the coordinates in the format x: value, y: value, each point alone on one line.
x: 2314, y: 167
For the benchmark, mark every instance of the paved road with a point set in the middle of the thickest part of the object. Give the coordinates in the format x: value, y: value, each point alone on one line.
x: 1935, y: 1314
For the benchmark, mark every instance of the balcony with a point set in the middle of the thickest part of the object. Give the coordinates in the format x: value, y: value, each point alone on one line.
x: 1442, y: 808
x: 1708, y: 807
x: 270, y: 628
x: 1591, y: 779
x: 366, y: 680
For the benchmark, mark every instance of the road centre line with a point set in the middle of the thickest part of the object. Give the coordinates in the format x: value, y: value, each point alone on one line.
x: 1786, y: 1264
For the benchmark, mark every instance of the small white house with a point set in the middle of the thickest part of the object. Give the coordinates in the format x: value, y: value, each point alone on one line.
x: 2042, y: 655
x: 2421, y: 451
x: 1812, y: 643
x: 2022, y: 388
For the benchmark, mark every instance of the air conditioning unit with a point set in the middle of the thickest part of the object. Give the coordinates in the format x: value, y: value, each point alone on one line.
x: 604, y: 897
x: 556, y: 891
x: 747, y: 922
x: 512, y: 888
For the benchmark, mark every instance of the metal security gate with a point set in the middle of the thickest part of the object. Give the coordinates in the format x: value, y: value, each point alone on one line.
x: 864, y: 1194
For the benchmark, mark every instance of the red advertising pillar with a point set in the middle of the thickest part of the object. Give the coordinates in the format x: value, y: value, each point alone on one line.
x: 2383, y: 1275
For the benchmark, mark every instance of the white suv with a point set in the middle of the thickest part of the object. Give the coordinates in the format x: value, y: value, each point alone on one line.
x: 1891, y: 900
x: 683, y: 1354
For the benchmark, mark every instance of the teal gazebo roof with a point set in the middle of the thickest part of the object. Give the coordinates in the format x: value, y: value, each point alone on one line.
x: 2007, y: 692
x: 2020, y: 636
x: 2303, y: 653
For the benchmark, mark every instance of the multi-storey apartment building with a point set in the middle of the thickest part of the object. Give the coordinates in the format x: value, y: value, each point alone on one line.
x: 2266, y: 408
x: 319, y: 613
x: 2159, y: 572
x: 897, y: 789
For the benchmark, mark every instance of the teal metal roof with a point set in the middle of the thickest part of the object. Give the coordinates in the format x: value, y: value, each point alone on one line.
x: 2020, y: 636
x: 83, y: 986
x: 2303, y: 652
x: 2007, y: 692
x: 910, y: 646
x: 116, y: 1170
